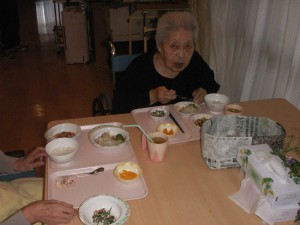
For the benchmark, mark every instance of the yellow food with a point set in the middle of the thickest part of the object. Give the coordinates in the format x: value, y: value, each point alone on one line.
x: 170, y: 132
x: 127, y: 175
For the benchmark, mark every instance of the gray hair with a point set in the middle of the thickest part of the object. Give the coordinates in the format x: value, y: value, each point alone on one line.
x: 172, y: 21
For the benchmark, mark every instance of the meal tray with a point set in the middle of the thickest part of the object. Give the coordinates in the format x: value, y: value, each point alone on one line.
x: 191, y: 132
x: 88, y: 158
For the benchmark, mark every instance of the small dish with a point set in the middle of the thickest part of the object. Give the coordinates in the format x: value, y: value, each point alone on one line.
x: 127, y: 172
x: 234, y: 109
x: 198, y: 119
x: 187, y: 108
x: 169, y: 129
x: 116, y: 207
x: 62, y: 150
x: 63, y: 130
x: 108, y: 137
x: 159, y: 113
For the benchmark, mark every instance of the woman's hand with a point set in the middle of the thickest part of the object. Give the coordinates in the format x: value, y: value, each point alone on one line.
x: 198, y: 95
x: 161, y: 94
x: 50, y: 212
x: 32, y: 160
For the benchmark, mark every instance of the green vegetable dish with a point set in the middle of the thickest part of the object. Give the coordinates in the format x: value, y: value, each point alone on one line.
x: 103, y: 217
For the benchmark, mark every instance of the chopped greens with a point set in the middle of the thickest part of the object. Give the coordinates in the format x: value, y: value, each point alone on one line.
x: 103, y: 217
x: 158, y: 113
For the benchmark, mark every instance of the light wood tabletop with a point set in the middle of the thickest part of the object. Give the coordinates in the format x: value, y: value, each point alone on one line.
x: 182, y: 189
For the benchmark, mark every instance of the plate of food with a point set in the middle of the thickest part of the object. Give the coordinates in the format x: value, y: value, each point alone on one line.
x: 187, y: 108
x: 198, y: 119
x: 108, y: 137
x: 104, y: 209
x: 63, y: 130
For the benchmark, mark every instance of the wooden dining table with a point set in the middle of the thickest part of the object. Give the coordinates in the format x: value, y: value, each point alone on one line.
x: 182, y: 190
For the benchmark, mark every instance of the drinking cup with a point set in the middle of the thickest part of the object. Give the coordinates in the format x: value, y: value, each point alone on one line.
x: 234, y: 109
x: 158, y: 148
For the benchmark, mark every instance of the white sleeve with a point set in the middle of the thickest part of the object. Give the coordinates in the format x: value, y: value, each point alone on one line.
x: 16, y: 219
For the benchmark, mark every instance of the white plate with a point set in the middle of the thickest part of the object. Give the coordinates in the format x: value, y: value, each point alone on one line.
x: 112, y: 130
x: 119, y: 208
x: 198, y: 116
x: 180, y: 105
x: 63, y: 127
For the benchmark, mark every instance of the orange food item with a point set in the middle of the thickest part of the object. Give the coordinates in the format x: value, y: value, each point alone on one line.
x: 165, y: 131
x: 127, y: 175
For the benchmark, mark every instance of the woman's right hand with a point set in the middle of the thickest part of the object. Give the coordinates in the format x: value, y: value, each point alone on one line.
x: 161, y: 94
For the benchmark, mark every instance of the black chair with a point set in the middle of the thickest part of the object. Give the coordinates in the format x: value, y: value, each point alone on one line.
x: 102, y: 105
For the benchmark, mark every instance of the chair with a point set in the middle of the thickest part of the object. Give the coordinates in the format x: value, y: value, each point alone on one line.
x: 13, y: 176
x: 102, y: 105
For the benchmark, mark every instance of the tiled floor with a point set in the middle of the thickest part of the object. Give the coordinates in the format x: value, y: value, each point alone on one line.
x: 38, y: 86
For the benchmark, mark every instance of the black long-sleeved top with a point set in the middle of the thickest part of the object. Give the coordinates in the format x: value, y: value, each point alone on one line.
x: 133, y: 86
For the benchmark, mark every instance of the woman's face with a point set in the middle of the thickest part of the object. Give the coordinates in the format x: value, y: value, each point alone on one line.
x: 177, y: 50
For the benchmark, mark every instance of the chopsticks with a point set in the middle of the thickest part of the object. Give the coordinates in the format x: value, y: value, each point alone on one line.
x: 175, y: 121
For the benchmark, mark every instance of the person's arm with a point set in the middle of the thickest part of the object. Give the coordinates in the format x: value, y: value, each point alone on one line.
x: 7, y: 163
x: 16, y: 219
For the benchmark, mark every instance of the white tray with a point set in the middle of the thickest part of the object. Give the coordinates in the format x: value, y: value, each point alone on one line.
x: 87, y: 159
x: 191, y: 133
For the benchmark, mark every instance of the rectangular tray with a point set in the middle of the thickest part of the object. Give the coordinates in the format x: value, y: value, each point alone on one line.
x: 88, y: 158
x: 191, y: 133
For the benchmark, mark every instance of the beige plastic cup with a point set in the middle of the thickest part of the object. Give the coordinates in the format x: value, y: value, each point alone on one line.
x: 158, y: 148
x: 234, y: 109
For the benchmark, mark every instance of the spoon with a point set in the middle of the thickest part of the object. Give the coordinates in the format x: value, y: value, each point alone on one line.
x: 94, y: 172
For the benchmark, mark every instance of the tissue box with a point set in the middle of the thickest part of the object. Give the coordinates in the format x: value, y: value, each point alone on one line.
x: 222, y: 135
x: 276, y: 215
x: 269, y: 174
x: 252, y: 201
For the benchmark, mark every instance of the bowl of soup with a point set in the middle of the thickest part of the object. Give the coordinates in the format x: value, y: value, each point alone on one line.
x: 234, y: 109
x: 63, y: 130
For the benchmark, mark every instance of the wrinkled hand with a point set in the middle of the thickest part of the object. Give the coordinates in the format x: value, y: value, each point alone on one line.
x: 32, y: 160
x: 161, y: 94
x: 198, y: 95
x: 50, y: 212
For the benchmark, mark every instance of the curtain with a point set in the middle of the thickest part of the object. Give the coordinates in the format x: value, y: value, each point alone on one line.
x: 253, y: 46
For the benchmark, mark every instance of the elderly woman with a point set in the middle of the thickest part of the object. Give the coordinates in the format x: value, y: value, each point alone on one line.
x: 175, y: 70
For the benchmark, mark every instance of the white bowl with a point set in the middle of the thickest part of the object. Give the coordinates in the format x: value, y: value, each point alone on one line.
x: 68, y: 130
x: 198, y: 119
x: 62, y: 150
x: 187, y: 108
x: 108, y: 137
x: 215, y: 103
x: 159, y: 113
x: 169, y: 129
x: 127, y: 172
x: 118, y: 208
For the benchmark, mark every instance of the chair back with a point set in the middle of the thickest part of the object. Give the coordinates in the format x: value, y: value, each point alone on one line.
x: 119, y: 63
